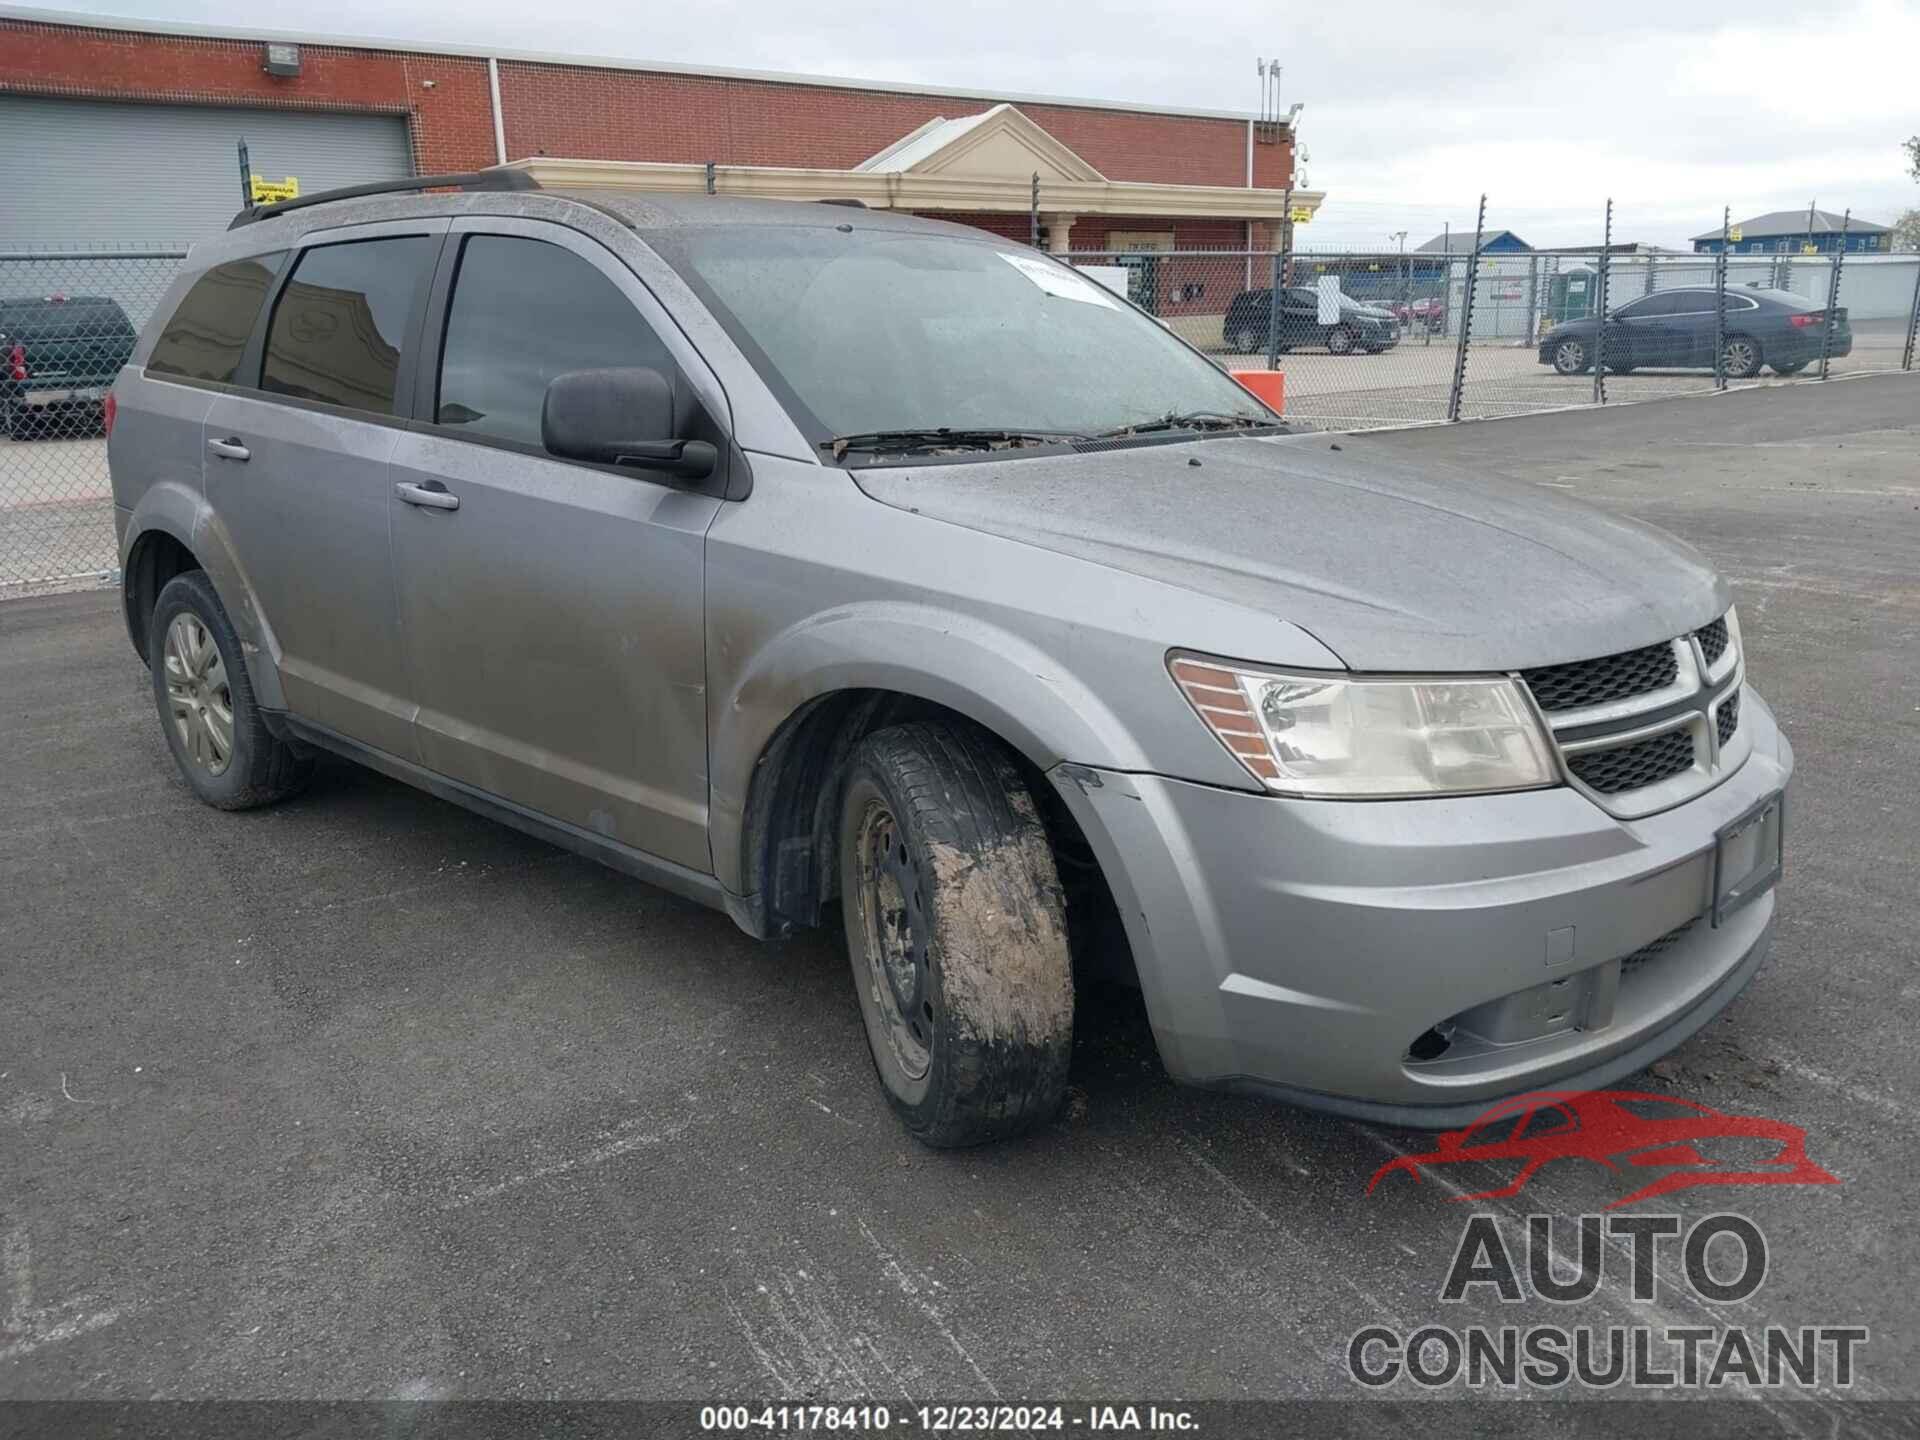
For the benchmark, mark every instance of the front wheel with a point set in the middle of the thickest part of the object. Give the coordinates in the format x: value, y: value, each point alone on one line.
x: 213, y: 725
x: 956, y: 933
x: 1570, y: 357
x: 1742, y: 357
x: 1792, y: 368
x: 1340, y: 340
x: 1244, y: 341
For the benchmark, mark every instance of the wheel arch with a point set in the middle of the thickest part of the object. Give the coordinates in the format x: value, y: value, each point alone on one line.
x: 170, y: 524
x: 787, y: 839
x: 155, y: 556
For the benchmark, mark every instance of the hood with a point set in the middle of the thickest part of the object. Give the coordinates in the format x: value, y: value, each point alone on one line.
x: 1391, y: 564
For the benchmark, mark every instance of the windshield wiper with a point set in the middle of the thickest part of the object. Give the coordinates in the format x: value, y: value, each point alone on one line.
x: 943, y: 438
x: 1188, y: 420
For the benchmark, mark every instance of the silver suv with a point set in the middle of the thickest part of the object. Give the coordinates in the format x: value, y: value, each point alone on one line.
x: 805, y: 560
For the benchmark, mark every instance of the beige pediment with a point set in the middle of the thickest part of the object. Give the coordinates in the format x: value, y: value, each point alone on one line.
x: 999, y: 143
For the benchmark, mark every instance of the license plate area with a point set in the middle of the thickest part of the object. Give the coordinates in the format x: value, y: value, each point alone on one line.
x: 1747, y: 857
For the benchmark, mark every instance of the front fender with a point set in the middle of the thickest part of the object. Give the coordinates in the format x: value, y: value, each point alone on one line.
x: 971, y: 666
x: 172, y: 508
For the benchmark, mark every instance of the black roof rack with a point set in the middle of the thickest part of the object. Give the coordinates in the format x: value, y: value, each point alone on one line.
x: 496, y: 179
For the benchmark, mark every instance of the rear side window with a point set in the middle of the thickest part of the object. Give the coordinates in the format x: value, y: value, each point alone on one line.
x: 339, y: 324
x: 523, y: 312
x: 206, y: 335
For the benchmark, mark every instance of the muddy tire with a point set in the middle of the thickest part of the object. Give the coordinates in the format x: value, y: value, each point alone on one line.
x: 956, y: 934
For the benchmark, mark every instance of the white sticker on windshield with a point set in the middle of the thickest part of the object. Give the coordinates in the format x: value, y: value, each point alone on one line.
x: 1058, y: 280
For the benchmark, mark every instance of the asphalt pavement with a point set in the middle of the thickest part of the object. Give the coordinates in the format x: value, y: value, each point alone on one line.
x: 364, y: 1096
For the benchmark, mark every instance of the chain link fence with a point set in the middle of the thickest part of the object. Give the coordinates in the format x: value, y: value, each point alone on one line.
x: 1465, y: 329
x: 68, y: 319
x: 1461, y: 330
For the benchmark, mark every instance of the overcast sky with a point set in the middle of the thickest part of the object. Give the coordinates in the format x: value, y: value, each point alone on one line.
x: 1413, y: 107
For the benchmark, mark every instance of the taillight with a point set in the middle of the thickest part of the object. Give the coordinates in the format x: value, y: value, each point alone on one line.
x: 109, y: 408
x: 1806, y: 318
x: 17, y: 362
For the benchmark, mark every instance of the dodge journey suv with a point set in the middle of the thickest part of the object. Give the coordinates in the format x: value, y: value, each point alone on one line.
x: 834, y: 566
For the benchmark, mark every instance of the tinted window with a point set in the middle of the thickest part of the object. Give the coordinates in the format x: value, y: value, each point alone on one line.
x: 523, y: 312
x: 339, y: 324
x: 204, y: 338
x: 1691, y: 302
x: 1647, y: 305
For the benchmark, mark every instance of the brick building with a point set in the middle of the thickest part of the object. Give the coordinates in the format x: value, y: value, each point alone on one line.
x: 130, y: 135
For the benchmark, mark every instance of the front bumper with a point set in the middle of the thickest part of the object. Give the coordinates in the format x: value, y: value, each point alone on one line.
x: 1298, y: 948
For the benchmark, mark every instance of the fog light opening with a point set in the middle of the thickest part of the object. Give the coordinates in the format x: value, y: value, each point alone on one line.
x: 1432, y: 1044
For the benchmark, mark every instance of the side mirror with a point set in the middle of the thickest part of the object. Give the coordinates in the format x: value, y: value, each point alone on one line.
x: 620, y: 417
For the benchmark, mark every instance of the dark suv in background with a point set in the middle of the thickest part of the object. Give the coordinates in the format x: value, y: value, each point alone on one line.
x: 1676, y: 328
x: 1353, y: 327
x: 58, y: 357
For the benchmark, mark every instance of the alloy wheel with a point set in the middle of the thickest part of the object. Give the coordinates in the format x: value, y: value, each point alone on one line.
x: 1570, y: 358
x: 199, y: 696
x: 1740, y: 361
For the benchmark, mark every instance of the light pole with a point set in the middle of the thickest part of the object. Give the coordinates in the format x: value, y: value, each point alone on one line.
x: 1406, y: 280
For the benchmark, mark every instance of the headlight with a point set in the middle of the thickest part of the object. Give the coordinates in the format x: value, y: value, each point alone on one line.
x: 1328, y: 736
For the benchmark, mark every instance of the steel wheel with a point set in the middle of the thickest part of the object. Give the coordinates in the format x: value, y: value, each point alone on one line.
x: 893, y: 936
x: 1741, y: 357
x: 198, y: 694
x: 1570, y: 357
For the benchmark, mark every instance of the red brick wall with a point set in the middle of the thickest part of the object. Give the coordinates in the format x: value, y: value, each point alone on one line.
x: 592, y: 113
x: 582, y: 112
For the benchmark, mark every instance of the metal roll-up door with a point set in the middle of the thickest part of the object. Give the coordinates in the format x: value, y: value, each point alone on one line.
x: 82, y: 172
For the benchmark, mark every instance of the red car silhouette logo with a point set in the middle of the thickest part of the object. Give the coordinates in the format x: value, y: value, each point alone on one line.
x: 1627, y: 1132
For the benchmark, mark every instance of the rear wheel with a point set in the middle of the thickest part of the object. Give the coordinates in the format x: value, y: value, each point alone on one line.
x: 213, y: 725
x: 1791, y: 368
x: 1244, y: 341
x: 1741, y: 357
x: 956, y: 933
x: 1570, y: 357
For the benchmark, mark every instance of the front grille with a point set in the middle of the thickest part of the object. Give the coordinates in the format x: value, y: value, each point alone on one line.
x: 1596, y: 682
x: 1654, y: 949
x: 1713, y: 641
x: 1729, y: 718
x: 1632, y: 767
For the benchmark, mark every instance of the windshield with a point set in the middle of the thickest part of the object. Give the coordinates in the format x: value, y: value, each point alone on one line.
x: 869, y: 331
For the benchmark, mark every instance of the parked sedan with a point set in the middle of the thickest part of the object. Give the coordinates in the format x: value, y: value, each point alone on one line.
x: 1676, y: 328
x: 1246, y: 330
x: 58, y: 355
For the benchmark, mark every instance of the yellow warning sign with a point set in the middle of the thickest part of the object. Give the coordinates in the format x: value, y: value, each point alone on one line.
x: 1300, y: 215
x: 267, y: 192
x: 1733, y: 235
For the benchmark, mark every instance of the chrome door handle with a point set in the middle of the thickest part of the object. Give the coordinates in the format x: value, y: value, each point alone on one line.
x: 431, y: 496
x: 230, y: 448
